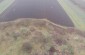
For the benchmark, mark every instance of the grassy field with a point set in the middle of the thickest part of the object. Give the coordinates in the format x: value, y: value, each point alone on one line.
x: 75, y: 13
x: 5, y: 4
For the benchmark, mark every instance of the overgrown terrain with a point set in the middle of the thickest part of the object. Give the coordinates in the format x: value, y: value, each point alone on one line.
x: 40, y: 37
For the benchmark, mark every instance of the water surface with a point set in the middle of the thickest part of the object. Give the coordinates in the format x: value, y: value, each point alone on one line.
x: 49, y: 9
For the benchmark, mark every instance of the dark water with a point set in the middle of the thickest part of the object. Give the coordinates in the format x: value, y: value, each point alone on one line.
x: 49, y: 9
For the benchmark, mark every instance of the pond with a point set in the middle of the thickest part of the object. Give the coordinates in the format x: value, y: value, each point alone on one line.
x: 49, y: 9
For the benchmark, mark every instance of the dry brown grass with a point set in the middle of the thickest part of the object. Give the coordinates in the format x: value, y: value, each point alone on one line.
x: 40, y: 37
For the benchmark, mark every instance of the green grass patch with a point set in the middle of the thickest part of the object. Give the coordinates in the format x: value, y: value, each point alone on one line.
x: 5, y: 4
x: 76, y: 15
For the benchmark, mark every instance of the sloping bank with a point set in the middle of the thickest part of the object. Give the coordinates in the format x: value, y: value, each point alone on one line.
x: 5, y: 4
x: 40, y: 37
x: 75, y: 13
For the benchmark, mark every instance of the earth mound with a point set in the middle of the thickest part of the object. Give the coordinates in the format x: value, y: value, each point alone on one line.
x: 40, y: 37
